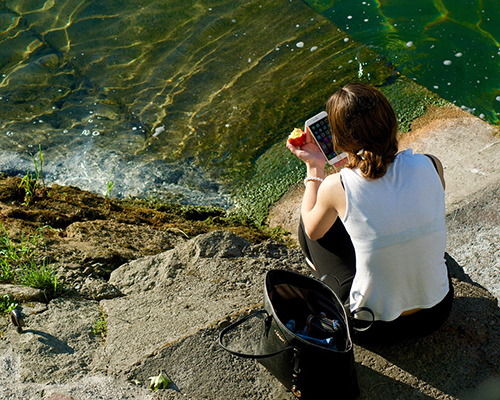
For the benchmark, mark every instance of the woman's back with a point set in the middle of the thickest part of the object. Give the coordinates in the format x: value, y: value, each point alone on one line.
x: 397, y: 227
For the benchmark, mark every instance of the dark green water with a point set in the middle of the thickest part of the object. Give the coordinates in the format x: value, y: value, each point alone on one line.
x: 189, y: 101
x: 451, y: 47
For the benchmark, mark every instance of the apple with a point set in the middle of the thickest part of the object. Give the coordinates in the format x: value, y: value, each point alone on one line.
x: 297, y: 138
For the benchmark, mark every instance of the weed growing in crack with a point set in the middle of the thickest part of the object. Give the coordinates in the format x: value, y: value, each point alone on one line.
x: 109, y: 189
x: 100, y: 327
x: 6, y: 304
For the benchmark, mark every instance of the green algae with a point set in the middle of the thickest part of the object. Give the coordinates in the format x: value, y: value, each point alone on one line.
x: 277, y: 170
x: 410, y: 101
x: 450, y: 47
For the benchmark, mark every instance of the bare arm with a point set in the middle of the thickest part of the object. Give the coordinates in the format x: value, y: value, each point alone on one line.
x: 320, y: 206
x: 317, y: 210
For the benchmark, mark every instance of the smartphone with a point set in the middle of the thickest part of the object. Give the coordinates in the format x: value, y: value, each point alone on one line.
x: 320, y: 129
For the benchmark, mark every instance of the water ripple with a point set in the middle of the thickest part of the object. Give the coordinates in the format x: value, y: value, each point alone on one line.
x: 173, y: 83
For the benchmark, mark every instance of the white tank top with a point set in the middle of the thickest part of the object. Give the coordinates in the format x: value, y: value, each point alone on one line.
x: 397, y: 227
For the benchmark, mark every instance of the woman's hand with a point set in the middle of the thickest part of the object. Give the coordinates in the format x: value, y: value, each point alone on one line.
x: 318, y: 213
x: 309, y: 152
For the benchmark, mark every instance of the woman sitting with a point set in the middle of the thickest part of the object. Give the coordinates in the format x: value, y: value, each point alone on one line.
x: 375, y: 232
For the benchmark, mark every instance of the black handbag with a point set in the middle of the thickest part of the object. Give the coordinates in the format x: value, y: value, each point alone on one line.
x: 305, y: 339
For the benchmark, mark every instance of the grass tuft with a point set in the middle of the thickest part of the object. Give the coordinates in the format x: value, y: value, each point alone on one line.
x: 22, y: 264
x: 100, y: 327
x: 32, y: 182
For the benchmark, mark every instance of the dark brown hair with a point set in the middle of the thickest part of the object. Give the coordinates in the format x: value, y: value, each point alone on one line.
x: 363, y: 125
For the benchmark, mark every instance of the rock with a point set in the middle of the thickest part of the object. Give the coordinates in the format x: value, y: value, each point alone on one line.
x: 173, y: 308
x: 201, y: 369
x: 474, y: 235
x: 28, y: 309
x: 22, y: 294
x: 57, y: 345
x: 98, y: 289
x: 445, y: 365
x: 103, y: 246
x: 174, y: 297
x: 176, y: 293
x: 59, y: 396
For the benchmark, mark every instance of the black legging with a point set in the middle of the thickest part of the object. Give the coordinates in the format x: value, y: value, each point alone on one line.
x: 334, y: 259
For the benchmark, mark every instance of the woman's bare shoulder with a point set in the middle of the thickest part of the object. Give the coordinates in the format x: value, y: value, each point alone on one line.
x: 333, y: 181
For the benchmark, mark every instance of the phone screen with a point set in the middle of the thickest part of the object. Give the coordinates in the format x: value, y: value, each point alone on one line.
x: 321, y: 131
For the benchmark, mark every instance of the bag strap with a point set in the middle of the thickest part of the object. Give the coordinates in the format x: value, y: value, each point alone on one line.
x: 323, y: 278
x: 231, y: 327
x: 433, y: 162
x: 352, y: 313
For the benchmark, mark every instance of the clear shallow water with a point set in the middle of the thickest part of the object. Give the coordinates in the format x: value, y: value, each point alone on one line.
x: 176, y: 99
x: 451, y: 47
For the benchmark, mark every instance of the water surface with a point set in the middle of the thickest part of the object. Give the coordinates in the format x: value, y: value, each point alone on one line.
x: 451, y: 47
x: 164, y: 98
x: 192, y: 101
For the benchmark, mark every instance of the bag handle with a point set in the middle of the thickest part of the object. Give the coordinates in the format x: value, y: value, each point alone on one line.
x: 357, y: 310
x: 244, y: 355
x: 323, y: 278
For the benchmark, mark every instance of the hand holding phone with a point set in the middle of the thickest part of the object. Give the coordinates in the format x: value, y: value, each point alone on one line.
x: 320, y: 130
x: 301, y: 143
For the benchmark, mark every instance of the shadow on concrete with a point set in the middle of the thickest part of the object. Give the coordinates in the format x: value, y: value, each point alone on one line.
x: 57, y: 346
x: 375, y: 385
x: 456, y: 360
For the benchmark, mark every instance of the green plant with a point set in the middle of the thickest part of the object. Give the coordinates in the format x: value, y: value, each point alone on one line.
x: 110, y: 186
x: 279, y: 234
x: 16, y: 253
x: 21, y: 263
x: 38, y: 275
x: 39, y: 168
x: 159, y: 382
x: 5, y: 272
x: 31, y: 182
x: 6, y: 304
x: 100, y: 327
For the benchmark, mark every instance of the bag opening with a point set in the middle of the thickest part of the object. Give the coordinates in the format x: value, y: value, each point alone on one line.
x: 310, y: 315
